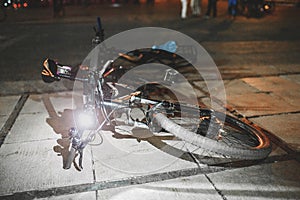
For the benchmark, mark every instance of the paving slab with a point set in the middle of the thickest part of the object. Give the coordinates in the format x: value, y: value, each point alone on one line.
x: 192, y: 188
x: 244, y: 68
x: 261, y: 95
x: 264, y: 96
x: 231, y: 87
x: 53, y: 102
x: 238, y: 87
x: 292, y: 77
x: 256, y: 104
x: 3, y: 120
x: 272, y: 84
x: 38, y: 165
x: 242, y: 97
x: 7, y: 104
x: 279, y: 180
x: 284, y: 88
x: 31, y: 127
x: 292, y: 67
x: 33, y: 152
x: 43, y: 117
x: 285, y: 126
x: 121, y: 158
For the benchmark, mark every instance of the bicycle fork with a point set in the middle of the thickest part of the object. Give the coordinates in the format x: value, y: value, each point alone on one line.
x: 77, y: 145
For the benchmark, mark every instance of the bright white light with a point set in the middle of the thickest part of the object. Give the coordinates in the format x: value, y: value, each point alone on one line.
x: 86, y: 120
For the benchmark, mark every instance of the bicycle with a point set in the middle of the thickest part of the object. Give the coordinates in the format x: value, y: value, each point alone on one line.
x: 107, y: 102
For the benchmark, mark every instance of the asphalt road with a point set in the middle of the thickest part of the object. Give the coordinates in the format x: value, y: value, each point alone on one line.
x: 29, y: 36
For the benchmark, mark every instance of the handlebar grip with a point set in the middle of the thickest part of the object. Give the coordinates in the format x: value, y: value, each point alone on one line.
x: 49, y: 71
x: 70, y: 158
x: 53, y: 71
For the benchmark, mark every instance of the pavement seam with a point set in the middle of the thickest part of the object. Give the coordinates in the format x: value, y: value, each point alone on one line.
x: 215, y: 187
x: 137, y: 180
x: 12, y: 118
x: 273, y: 114
x: 130, y: 181
x: 206, y: 176
x: 32, y: 141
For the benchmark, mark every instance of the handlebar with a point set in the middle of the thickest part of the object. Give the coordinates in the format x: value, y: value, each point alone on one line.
x: 54, y: 71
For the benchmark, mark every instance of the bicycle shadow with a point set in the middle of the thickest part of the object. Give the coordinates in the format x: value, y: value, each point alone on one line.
x: 60, y: 122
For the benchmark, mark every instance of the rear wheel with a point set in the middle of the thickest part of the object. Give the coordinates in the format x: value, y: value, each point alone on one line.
x: 232, y: 138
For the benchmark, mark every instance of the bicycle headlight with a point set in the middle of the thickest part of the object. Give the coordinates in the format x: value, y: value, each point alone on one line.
x: 86, y: 119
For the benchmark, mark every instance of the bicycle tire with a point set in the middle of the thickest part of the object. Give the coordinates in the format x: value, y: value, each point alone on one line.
x: 260, y: 150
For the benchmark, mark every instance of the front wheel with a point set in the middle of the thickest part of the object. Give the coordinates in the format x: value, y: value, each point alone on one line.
x: 232, y: 138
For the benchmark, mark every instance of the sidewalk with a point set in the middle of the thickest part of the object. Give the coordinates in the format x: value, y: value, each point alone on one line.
x: 34, y: 126
x: 31, y: 156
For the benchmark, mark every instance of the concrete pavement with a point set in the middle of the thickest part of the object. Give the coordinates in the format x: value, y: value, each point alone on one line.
x: 120, y: 168
x: 35, y: 118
